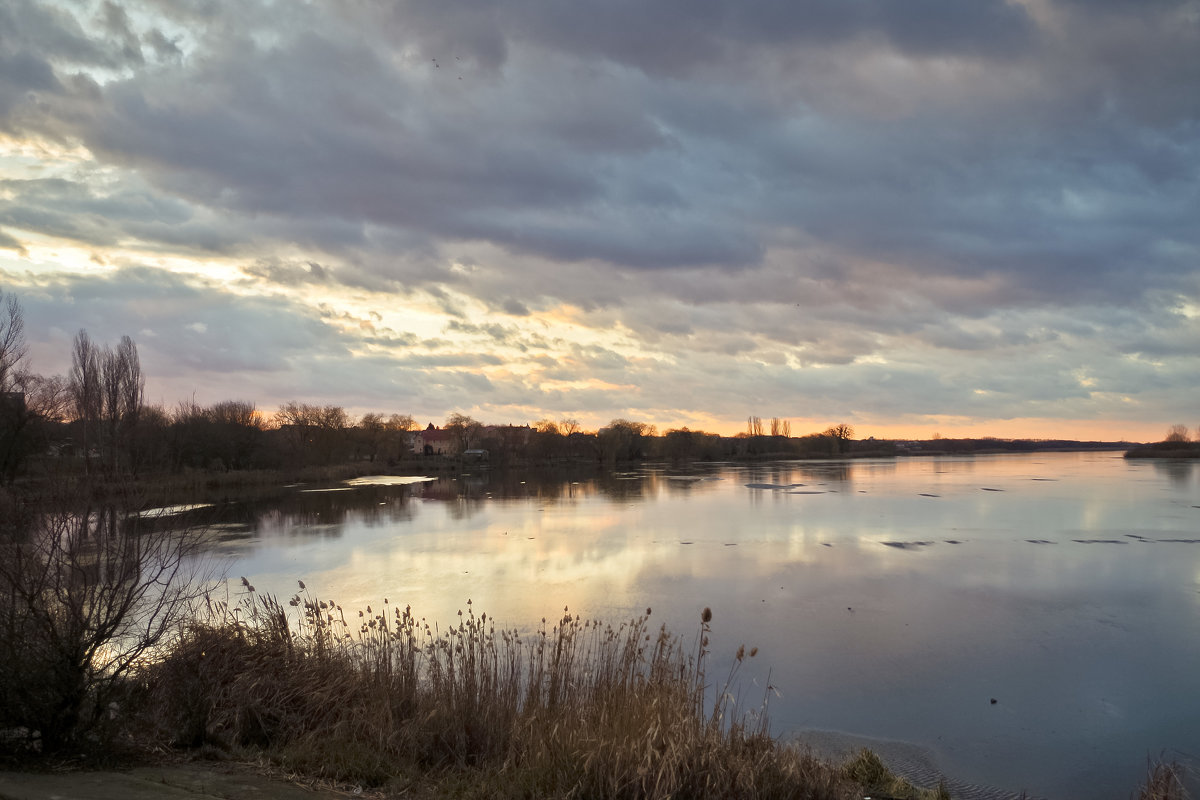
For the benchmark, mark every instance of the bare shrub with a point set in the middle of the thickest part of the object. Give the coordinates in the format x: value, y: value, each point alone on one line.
x: 87, y: 590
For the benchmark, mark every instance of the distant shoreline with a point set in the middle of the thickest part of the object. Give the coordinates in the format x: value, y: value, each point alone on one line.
x: 1165, y: 450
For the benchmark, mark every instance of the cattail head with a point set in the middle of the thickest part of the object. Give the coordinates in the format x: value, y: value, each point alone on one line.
x: 706, y: 615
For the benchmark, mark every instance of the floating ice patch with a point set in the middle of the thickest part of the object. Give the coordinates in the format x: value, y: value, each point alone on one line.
x: 170, y: 511
x: 317, y: 528
x: 388, y: 480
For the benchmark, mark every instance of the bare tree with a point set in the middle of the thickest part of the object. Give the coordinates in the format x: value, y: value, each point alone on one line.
x: 623, y: 440
x: 400, y: 425
x: 1177, y: 433
x: 28, y: 402
x: 235, y: 428
x: 319, y: 433
x: 235, y: 412
x: 296, y: 422
x: 13, y: 349
x: 131, y: 395
x: 48, y: 397
x: 372, y: 432
x: 841, y: 432
x: 781, y: 427
x: 465, y: 430
x: 87, y: 588
x: 86, y: 399
x: 754, y: 426
x: 14, y: 410
x: 107, y: 391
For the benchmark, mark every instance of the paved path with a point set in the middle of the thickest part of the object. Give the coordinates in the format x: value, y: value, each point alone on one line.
x: 205, y: 781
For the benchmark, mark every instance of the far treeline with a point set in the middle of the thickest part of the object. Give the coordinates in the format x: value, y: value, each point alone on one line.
x: 96, y: 418
x: 1176, y: 444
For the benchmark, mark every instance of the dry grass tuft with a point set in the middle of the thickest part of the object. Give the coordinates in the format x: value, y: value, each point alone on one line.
x: 868, y: 769
x: 1164, y: 781
x: 385, y: 698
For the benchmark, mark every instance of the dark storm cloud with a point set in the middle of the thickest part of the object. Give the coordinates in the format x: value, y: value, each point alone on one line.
x: 677, y: 36
x: 515, y: 307
x: 28, y: 28
x: 756, y: 186
x: 10, y: 243
x: 519, y: 127
x: 288, y: 274
x: 21, y: 73
x: 76, y: 210
x: 181, y: 326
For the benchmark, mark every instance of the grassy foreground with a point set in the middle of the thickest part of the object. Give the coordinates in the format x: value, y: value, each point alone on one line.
x: 384, y: 699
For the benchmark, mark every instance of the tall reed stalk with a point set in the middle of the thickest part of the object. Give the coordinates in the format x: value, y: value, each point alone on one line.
x: 574, y: 708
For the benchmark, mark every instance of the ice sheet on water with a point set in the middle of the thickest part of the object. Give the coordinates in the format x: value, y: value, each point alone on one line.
x: 170, y: 511
x: 389, y: 480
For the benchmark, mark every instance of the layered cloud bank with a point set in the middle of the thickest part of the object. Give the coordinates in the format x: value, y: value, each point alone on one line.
x: 965, y: 217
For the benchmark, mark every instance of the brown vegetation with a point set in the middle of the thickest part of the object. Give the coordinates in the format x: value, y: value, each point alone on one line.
x: 1176, y: 444
x: 572, y: 709
x: 87, y: 591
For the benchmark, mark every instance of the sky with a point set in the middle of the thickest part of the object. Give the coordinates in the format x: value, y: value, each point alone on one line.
x: 913, y: 217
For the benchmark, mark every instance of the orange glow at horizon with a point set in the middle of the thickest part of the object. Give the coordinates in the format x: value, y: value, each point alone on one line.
x: 1022, y: 428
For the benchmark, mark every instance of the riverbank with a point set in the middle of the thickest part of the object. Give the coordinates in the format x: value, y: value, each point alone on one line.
x: 1165, y: 450
x: 179, y: 779
x: 171, y: 780
x: 382, y: 700
x: 250, y: 705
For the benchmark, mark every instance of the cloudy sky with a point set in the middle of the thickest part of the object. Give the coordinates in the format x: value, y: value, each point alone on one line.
x: 928, y: 216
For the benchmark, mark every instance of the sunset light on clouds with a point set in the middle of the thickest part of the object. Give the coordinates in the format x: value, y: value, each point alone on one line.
x: 966, y: 218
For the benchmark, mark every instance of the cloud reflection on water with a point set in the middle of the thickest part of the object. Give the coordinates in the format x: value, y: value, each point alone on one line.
x: 1081, y: 643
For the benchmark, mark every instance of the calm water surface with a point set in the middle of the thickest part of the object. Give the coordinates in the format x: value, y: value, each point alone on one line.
x: 892, y: 599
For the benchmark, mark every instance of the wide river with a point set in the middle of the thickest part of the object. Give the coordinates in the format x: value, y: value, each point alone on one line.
x: 1020, y: 622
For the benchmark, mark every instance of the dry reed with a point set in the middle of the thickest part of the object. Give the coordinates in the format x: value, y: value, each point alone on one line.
x: 386, y: 698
